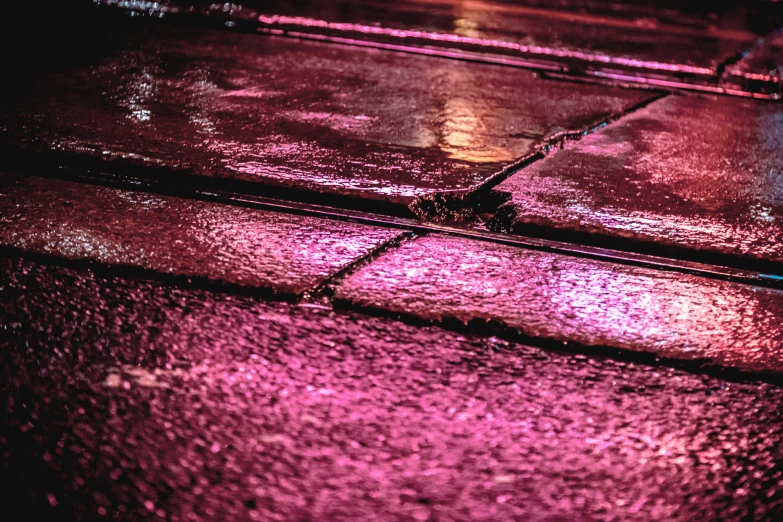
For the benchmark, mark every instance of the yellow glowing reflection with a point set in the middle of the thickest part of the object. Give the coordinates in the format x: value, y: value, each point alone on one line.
x: 465, y: 27
x: 464, y: 134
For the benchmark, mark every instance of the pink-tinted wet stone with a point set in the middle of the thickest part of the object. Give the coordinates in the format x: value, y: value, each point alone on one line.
x: 761, y: 69
x: 695, y: 176
x: 569, y: 299
x: 312, y: 117
x: 140, y: 401
x: 665, y: 38
x: 253, y: 248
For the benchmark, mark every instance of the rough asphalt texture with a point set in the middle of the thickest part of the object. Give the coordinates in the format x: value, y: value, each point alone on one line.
x: 128, y: 398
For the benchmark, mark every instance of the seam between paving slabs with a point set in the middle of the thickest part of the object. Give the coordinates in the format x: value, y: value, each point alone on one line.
x: 618, y: 79
x: 557, y: 142
x: 251, y: 201
x: 767, y: 273
x: 325, y: 290
x: 322, y: 297
x: 731, y: 60
x: 765, y: 83
x: 497, y: 328
x: 66, y: 165
x: 720, y: 70
x: 464, y: 204
x: 435, y: 49
x: 492, y: 328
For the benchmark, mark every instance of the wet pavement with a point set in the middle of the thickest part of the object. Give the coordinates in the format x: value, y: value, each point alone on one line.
x: 667, y: 39
x: 572, y: 300
x: 761, y: 69
x: 179, y: 238
x: 129, y: 399
x: 366, y: 272
x: 280, y: 114
x: 686, y: 176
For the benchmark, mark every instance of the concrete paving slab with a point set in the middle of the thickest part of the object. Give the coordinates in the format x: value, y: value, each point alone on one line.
x: 285, y: 253
x: 663, y: 38
x: 128, y: 400
x: 574, y: 300
x: 281, y: 114
x: 684, y: 176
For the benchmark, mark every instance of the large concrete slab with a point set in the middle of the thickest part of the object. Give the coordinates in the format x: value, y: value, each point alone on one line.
x: 662, y: 38
x: 132, y: 401
x: 285, y: 253
x: 282, y: 114
x: 574, y: 300
x: 683, y: 176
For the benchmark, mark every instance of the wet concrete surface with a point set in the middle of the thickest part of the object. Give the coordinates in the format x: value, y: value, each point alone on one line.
x: 144, y: 376
x: 667, y: 39
x: 684, y: 176
x: 281, y: 114
x: 579, y: 301
x: 761, y: 69
x: 179, y: 238
x: 132, y: 400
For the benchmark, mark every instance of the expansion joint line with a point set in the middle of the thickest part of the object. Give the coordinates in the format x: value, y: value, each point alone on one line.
x: 323, y: 292
x: 559, y: 141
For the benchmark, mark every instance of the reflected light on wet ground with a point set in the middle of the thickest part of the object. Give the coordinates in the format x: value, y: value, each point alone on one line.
x: 682, y: 172
x: 296, y: 114
x: 576, y: 300
x: 179, y: 237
